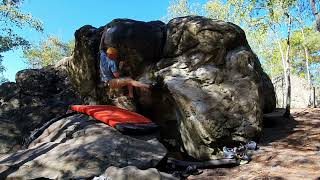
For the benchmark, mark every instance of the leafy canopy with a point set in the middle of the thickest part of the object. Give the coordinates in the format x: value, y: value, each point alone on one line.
x: 48, y: 51
x: 11, y: 20
x: 179, y: 8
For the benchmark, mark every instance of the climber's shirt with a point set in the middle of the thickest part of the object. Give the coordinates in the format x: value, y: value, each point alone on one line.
x: 107, y: 67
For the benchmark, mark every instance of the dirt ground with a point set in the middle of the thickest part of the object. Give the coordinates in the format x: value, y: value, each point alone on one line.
x: 289, y: 149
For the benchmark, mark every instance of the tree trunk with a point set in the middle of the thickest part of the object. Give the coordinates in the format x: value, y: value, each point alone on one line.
x: 306, y: 52
x: 287, y: 74
x: 314, y: 97
x: 318, y: 21
x: 308, y: 76
x: 284, y: 69
x: 315, y: 13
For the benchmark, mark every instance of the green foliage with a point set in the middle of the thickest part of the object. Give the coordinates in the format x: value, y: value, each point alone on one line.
x: 12, y: 18
x: 236, y: 11
x: 218, y: 10
x: 48, y: 52
x: 312, y: 43
x: 272, y: 62
x: 312, y: 37
x: 179, y: 8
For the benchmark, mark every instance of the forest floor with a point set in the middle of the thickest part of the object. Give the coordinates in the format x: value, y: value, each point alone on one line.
x: 288, y: 149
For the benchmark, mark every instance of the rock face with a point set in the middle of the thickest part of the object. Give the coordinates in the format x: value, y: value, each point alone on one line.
x: 80, y: 147
x: 217, y: 84
x: 36, y: 97
x: 9, y: 107
x: 139, y: 43
x: 83, y: 66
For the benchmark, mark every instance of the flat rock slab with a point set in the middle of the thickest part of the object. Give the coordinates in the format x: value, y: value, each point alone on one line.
x: 133, y: 173
x: 79, y: 147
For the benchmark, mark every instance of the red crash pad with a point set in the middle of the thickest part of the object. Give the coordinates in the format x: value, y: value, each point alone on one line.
x: 112, y: 115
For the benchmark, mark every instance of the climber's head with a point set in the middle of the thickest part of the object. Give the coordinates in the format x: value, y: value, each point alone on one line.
x: 112, y: 52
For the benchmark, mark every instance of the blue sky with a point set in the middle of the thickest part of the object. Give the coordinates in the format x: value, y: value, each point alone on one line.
x: 63, y: 17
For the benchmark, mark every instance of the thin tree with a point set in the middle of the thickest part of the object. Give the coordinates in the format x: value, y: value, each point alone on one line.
x: 287, y: 70
x: 306, y: 55
x: 302, y: 13
x: 315, y: 13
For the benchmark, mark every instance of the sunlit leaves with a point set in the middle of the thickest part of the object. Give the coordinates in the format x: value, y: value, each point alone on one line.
x: 9, y: 42
x: 179, y: 8
x: 218, y: 10
x: 12, y: 18
x: 48, y: 52
x: 11, y: 15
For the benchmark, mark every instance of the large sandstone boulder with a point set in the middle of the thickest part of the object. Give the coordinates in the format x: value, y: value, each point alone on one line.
x: 216, y: 82
x: 80, y: 147
x: 212, y: 90
x: 37, y: 96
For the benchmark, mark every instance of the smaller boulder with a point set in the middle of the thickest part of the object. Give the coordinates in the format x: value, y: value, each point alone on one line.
x: 37, y: 82
x: 37, y: 96
x: 80, y: 147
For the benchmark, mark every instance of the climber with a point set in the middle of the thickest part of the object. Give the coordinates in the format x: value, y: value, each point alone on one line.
x: 110, y: 74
